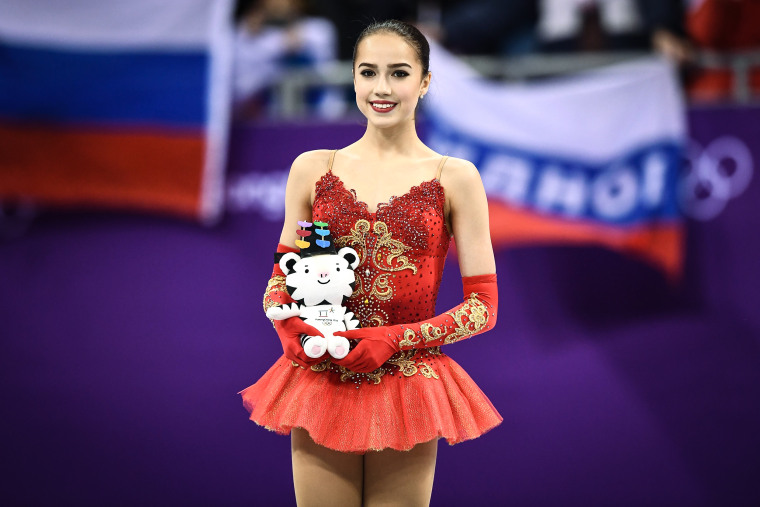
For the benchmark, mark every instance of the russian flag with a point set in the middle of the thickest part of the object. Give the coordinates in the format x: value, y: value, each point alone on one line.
x: 593, y: 158
x: 115, y: 104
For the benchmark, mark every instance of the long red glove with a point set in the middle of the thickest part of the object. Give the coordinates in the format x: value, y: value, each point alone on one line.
x: 475, y: 315
x: 289, y: 330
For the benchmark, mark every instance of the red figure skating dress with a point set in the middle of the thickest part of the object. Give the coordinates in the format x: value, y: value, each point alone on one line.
x: 418, y: 394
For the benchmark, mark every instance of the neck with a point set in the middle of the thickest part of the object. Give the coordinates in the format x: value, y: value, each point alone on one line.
x: 388, y: 142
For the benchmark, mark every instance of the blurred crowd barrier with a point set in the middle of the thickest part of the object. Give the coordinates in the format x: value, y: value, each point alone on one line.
x: 724, y: 77
x: 291, y: 55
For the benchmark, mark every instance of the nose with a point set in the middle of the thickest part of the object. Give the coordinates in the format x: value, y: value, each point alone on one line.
x: 383, y: 86
x: 324, y: 274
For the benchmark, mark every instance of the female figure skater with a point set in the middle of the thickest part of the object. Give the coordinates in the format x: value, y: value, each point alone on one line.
x: 364, y: 428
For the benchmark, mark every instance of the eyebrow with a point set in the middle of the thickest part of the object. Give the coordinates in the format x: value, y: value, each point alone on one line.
x: 392, y: 65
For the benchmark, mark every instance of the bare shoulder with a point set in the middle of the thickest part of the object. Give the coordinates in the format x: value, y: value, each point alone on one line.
x: 459, y: 174
x: 310, y: 165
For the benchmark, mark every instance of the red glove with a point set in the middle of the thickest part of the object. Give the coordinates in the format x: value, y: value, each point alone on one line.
x: 475, y: 315
x: 377, y: 345
x: 289, y: 330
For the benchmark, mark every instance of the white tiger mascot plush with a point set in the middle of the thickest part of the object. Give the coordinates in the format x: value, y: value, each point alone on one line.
x: 320, y: 280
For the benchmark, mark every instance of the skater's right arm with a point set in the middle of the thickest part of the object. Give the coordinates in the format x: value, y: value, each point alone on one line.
x: 307, y: 168
x: 304, y: 172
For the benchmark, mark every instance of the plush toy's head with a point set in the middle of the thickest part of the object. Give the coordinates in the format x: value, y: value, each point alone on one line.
x: 318, y: 274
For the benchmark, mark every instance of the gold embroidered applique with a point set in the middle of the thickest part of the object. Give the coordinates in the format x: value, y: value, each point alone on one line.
x: 476, y: 315
x: 426, y: 370
x: 379, y: 256
x: 323, y: 366
x: 356, y: 239
x: 430, y: 332
x: 276, y: 283
x: 380, y: 288
x: 405, y: 365
x: 358, y: 285
x: 409, y: 339
x: 470, y: 319
x: 396, y: 249
x: 374, y: 376
x: 378, y: 320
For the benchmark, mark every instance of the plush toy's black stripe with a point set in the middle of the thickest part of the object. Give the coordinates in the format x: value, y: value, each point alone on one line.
x: 278, y: 256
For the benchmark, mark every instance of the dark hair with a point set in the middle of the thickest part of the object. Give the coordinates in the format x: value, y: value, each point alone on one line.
x: 408, y: 32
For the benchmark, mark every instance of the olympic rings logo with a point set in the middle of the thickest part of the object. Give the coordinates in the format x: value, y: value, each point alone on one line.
x: 714, y: 175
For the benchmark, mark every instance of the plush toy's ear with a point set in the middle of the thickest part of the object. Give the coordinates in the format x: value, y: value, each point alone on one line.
x: 287, y: 262
x: 350, y: 255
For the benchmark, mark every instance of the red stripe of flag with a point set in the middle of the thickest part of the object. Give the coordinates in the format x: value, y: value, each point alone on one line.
x: 155, y: 171
x: 660, y: 244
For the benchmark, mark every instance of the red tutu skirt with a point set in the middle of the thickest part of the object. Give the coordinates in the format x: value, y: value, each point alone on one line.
x: 415, y: 397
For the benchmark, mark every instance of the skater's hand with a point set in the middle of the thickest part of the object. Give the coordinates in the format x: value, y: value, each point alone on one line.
x: 376, y: 346
x: 290, y: 331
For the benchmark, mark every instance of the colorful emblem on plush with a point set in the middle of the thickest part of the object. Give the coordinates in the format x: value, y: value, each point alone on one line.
x: 303, y: 233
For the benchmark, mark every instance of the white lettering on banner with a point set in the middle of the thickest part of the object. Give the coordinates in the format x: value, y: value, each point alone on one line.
x: 620, y: 191
x: 714, y: 175
x: 612, y: 194
x: 259, y: 192
x: 561, y: 189
x: 507, y: 176
x: 615, y: 193
x: 653, y: 187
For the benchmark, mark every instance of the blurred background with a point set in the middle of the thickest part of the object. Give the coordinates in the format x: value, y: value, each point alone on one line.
x: 144, y: 148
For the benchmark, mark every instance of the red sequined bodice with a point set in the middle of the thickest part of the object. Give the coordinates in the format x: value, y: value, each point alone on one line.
x: 402, y: 249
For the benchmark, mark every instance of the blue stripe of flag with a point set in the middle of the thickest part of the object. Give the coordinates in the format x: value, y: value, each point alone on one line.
x: 108, y: 87
x: 444, y: 137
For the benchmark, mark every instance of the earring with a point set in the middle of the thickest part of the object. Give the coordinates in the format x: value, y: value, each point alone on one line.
x: 422, y: 97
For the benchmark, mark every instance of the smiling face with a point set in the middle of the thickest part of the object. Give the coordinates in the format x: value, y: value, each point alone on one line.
x: 388, y: 79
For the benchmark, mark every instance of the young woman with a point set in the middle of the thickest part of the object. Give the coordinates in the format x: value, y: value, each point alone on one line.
x: 365, y: 428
